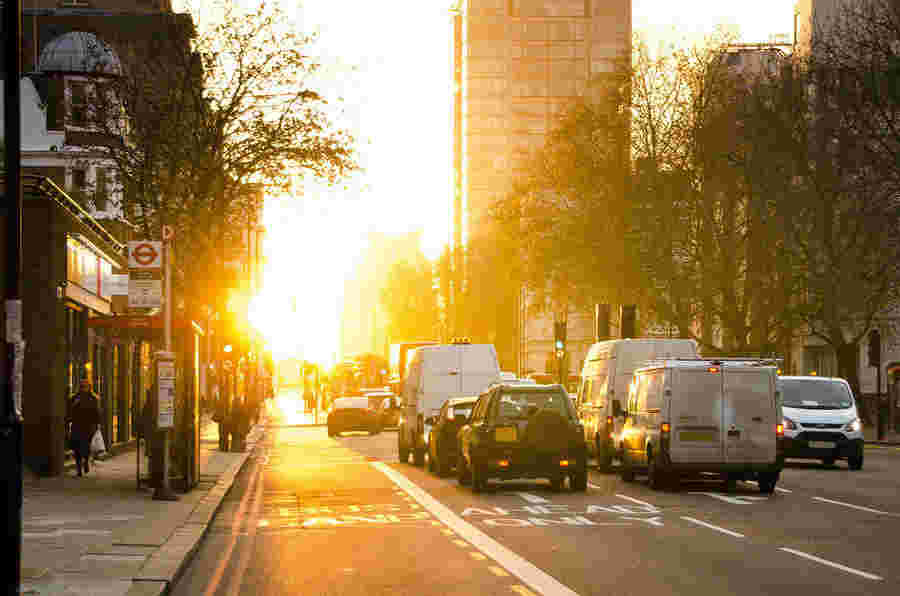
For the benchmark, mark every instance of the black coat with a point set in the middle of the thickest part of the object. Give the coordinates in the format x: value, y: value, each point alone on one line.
x: 85, y: 415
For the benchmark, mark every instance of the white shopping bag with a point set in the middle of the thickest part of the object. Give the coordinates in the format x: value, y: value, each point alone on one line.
x: 97, y: 444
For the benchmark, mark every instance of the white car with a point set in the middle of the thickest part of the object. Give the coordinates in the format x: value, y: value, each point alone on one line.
x: 821, y: 420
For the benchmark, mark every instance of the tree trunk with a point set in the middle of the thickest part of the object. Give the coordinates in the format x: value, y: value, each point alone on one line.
x: 848, y: 368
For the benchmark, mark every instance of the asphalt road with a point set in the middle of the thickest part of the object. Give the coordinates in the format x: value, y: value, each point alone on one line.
x: 313, y: 515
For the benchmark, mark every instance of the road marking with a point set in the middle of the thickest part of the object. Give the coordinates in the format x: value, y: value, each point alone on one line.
x: 498, y: 571
x: 871, y: 576
x: 855, y: 506
x: 638, y: 501
x: 653, y: 521
x: 734, y: 499
x: 477, y: 555
x: 447, y: 531
x: 783, y: 490
x: 461, y: 543
x: 712, y: 527
x: 529, y: 574
x: 533, y: 498
x: 521, y: 590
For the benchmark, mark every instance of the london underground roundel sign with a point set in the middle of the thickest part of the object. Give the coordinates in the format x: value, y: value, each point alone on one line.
x: 144, y: 254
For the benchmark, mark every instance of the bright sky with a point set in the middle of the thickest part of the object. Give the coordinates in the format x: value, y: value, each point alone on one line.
x: 387, y: 75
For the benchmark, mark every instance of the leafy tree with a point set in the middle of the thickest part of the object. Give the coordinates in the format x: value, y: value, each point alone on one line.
x: 209, y: 122
x: 410, y: 298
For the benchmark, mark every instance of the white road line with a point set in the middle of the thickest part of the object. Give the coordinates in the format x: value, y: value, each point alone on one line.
x: 855, y: 506
x: 871, y: 576
x: 783, y: 490
x: 536, y: 579
x: 533, y: 498
x: 633, y: 500
x: 712, y: 527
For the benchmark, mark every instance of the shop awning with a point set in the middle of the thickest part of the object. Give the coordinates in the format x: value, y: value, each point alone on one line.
x: 140, y: 323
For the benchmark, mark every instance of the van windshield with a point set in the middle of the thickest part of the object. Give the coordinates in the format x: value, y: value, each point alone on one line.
x: 520, y: 405
x: 815, y: 395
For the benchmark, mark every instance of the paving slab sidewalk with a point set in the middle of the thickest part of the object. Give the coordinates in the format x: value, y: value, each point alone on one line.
x: 99, y: 535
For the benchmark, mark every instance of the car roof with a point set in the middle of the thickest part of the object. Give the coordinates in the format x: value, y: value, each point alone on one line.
x: 812, y: 378
x: 530, y: 387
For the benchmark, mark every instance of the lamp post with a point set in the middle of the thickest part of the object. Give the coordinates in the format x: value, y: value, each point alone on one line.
x: 11, y: 424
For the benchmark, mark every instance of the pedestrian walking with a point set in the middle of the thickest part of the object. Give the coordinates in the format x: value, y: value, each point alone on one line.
x: 83, y: 419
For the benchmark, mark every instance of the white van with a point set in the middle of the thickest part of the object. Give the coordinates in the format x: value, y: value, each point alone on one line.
x: 607, y: 372
x: 696, y: 415
x: 434, y: 375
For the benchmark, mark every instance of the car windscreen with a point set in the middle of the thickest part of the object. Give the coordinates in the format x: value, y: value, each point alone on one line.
x: 815, y: 395
x: 360, y: 403
x: 521, y: 405
x: 464, y: 409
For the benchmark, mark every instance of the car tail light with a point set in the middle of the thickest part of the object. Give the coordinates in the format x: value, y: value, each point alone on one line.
x: 779, y: 430
x: 665, y: 433
x: 665, y: 428
x: 609, y: 421
x: 564, y: 463
x: 503, y: 463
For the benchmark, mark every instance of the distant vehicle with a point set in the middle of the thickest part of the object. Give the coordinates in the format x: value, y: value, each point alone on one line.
x: 607, y: 372
x: 436, y: 374
x: 400, y: 355
x: 354, y: 414
x: 388, y: 407
x: 442, y: 445
x: 821, y: 420
x: 691, y: 416
x: 522, y: 431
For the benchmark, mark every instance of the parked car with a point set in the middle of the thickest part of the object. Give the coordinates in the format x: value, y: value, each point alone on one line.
x: 389, y: 410
x: 442, y: 445
x: 522, y: 431
x: 821, y: 420
x: 354, y: 414
x: 693, y: 416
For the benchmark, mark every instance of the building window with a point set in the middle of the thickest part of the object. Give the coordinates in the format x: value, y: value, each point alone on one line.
x: 101, y: 190
x: 78, y: 102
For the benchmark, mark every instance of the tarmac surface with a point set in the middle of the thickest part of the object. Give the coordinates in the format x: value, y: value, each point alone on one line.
x: 301, y: 513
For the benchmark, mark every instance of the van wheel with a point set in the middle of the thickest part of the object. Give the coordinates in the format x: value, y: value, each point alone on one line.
x: 402, y: 451
x: 579, y: 480
x: 604, y: 457
x: 729, y: 483
x: 655, y: 476
x: 419, y: 456
x: 462, y: 471
x: 828, y: 461
x: 556, y: 482
x: 430, y: 463
x: 479, y: 481
x: 440, y: 468
x: 627, y: 472
x: 767, y: 482
x: 856, y: 462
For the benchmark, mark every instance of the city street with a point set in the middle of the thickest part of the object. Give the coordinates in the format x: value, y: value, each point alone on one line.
x: 315, y: 515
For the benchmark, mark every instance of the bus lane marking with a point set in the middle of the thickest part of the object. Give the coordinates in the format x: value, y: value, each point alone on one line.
x: 530, y: 575
x: 859, y: 507
x: 733, y: 499
x: 633, y: 500
x: 712, y: 527
x: 564, y: 515
x: 864, y: 574
x: 533, y: 498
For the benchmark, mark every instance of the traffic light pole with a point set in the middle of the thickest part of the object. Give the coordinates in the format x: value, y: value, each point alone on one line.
x: 11, y: 424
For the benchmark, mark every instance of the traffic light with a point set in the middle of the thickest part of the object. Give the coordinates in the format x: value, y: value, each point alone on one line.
x: 628, y: 321
x: 874, y: 347
x: 559, y: 335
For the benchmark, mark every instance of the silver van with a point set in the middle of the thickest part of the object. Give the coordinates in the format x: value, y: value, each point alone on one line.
x: 607, y: 371
x: 690, y: 416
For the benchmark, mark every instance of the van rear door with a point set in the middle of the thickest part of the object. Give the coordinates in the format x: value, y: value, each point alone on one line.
x: 696, y: 415
x: 480, y: 368
x: 750, y: 412
x: 441, y: 378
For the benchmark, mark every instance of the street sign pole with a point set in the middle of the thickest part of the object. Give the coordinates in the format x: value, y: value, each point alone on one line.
x: 11, y: 424
x: 165, y: 362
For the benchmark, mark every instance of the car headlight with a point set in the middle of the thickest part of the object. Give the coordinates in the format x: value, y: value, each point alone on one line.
x: 854, y: 425
x: 789, y: 424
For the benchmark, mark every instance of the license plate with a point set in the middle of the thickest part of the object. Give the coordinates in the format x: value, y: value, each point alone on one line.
x: 821, y: 445
x: 505, y: 434
x: 697, y: 435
